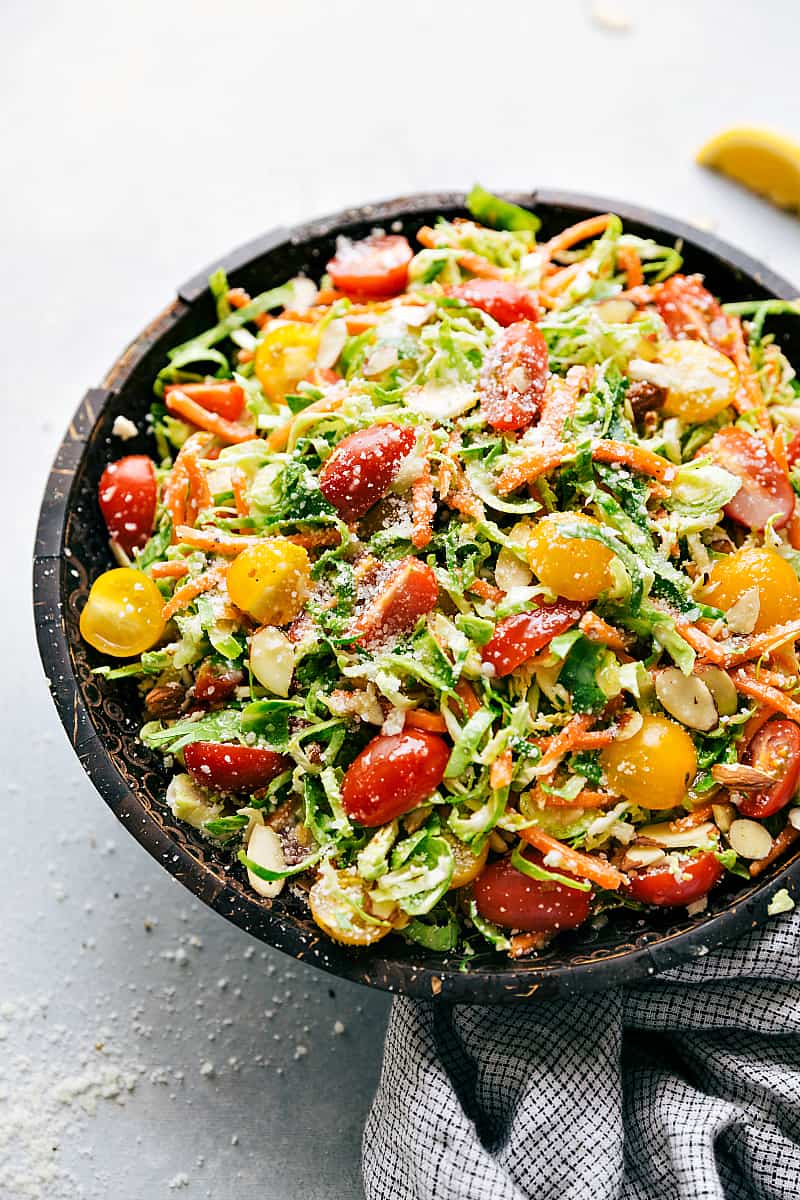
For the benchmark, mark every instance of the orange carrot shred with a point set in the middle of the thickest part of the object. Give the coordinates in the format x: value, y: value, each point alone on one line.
x: 424, y: 508
x: 486, y: 590
x: 239, y: 485
x: 585, y: 866
x: 746, y: 682
x: 229, y: 431
x: 279, y: 438
x: 628, y: 259
x: 195, y: 587
x: 169, y: 570
x: 590, y: 228
x: 697, y: 816
x: 428, y: 722
x: 501, y: 771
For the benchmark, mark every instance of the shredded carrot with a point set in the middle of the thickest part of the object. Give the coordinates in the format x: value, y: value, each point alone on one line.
x: 238, y: 297
x: 199, y: 491
x: 794, y: 532
x: 418, y: 718
x: 195, y: 587
x: 423, y: 506
x: 239, y: 485
x: 590, y: 228
x: 560, y: 402
x: 598, y: 630
x: 547, y: 458
x: 558, y: 282
x: 779, y: 451
x: 468, y: 697
x: 588, y: 798
x: 315, y: 538
x: 229, y: 431
x: 244, y: 356
x: 486, y: 591
x: 360, y: 322
x: 214, y: 541
x: 169, y: 570
x: 749, y: 396
x: 786, y: 838
x: 700, y: 642
x: 746, y: 682
x: 501, y: 771
x: 697, y: 816
x: 476, y: 264
x: 628, y: 259
x: 176, y: 493
x: 732, y: 655
x: 522, y: 943
x: 279, y: 438
x: 586, y: 866
x: 556, y: 747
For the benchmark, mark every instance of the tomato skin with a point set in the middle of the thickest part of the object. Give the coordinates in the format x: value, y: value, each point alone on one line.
x: 688, y: 310
x: 505, y: 302
x: 392, y: 775
x: 374, y: 268
x: 363, y: 467
x: 513, y: 377
x: 793, y: 450
x: 409, y: 593
x: 518, y: 638
x: 230, y: 767
x: 660, y: 887
x: 123, y: 614
x: 776, y: 750
x: 218, y: 396
x: 511, y: 899
x: 765, y: 488
x: 127, y: 494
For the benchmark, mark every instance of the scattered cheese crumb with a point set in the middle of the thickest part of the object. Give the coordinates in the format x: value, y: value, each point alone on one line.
x: 181, y: 1180
x: 338, y: 1027
x: 781, y: 902
x: 124, y: 429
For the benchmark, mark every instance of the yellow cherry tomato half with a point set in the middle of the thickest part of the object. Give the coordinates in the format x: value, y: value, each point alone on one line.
x: 284, y: 356
x: 466, y: 865
x: 654, y: 767
x: 270, y: 581
x: 700, y: 381
x: 338, y: 901
x: 763, y: 569
x: 122, y: 616
x: 575, y: 568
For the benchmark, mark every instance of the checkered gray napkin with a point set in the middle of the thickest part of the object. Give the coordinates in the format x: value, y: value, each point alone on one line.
x: 686, y: 1088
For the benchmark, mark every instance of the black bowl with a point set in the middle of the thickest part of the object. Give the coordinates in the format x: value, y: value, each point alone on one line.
x: 102, y: 718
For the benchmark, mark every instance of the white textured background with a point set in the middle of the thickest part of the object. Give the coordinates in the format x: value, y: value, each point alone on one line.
x: 138, y: 141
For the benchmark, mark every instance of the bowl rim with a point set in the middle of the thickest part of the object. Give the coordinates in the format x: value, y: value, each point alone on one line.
x: 421, y: 980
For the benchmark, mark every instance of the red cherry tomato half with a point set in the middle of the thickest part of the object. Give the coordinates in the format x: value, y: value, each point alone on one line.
x: 516, y: 639
x: 793, y: 450
x: 765, y: 489
x: 127, y: 495
x: 690, y: 311
x: 409, y: 592
x: 392, y: 775
x: 373, y: 269
x: 213, y: 686
x: 363, y: 467
x: 775, y: 749
x: 513, y: 377
x: 505, y: 302
x: 223, y: 396
x: 505, y: 896
x: 659, y: 886
x: 229, y: 767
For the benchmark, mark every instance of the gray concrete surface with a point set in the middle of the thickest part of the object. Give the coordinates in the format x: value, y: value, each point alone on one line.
x: 147, y: 1048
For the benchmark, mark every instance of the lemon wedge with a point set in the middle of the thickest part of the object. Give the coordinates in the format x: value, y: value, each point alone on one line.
x: 760, y: 159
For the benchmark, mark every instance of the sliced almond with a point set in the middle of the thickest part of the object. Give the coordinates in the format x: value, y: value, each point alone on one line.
x: 686, y: 698
x: 741, y: 617
x: 739, y: 775
x: 663, y: 834
x: 265, y: 849
x: 749, y: 839
x: 794, y: 818
x: 331, y: 344
x: 272, y: 659
x: 724, y: 816
x: 638, y: 857
x: 722, y: 688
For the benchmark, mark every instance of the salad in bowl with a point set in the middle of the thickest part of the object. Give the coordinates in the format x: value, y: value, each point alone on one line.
x: 461, y: 587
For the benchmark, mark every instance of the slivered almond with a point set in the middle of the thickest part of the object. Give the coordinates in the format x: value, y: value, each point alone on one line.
x: 739, y: 775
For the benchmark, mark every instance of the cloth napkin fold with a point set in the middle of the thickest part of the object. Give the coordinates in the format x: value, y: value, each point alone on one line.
x: 685, y: 1088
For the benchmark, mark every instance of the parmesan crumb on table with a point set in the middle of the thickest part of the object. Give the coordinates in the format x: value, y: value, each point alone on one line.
x: 124, y: 428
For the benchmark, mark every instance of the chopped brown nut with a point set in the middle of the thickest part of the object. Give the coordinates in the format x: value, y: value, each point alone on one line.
x: 739, y: 775
x: 645, y: 397
x: 165, y: 700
